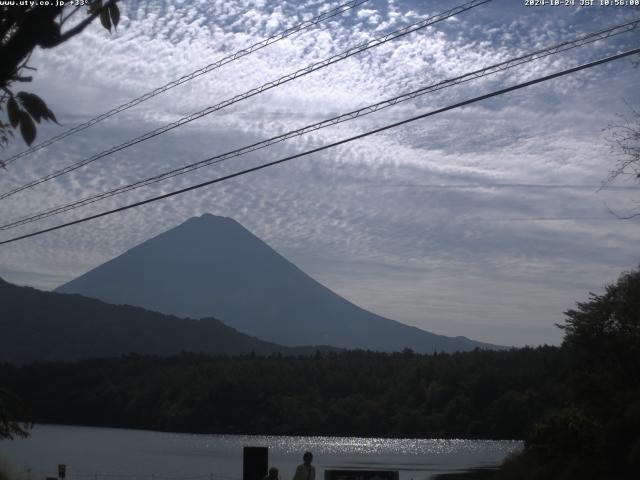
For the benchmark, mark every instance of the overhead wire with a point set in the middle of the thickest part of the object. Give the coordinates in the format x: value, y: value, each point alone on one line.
x: 265, y: 87
x: 330, y: 145
x: 499, y: 67
x: 339, y: 10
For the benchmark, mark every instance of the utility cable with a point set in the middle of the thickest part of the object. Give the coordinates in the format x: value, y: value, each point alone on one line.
x: 331, y: 145
x: 267, y: 86
x: 190, y: 76
x: 499, y: 67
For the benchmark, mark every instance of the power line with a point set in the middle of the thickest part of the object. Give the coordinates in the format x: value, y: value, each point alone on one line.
x: 190, y: 76
x: 476, y: 186
x: 502, y: 66
x: 331, y: 145
x: 267, y: 86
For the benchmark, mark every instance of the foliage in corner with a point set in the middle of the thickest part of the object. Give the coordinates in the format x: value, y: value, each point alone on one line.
x: 598, y: 434
x: 604, y: 336
x: 24, y: 27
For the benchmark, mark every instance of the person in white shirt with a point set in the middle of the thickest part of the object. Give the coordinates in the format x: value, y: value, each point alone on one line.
x: 306, y: 471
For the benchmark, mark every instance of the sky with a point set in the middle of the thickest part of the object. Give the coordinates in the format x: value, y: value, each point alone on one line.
x: 485, y: 221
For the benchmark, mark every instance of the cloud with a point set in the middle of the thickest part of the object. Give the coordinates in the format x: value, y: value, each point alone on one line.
x: 480, y: 220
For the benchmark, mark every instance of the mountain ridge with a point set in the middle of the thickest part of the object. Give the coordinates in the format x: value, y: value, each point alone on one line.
x: 49, y: 326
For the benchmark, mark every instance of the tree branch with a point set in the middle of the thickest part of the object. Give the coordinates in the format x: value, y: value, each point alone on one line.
x: 621, y: 217
x: 82, y: 25
x: 72, y: 13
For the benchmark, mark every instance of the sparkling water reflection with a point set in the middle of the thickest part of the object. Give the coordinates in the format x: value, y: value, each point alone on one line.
x: 113, y: 454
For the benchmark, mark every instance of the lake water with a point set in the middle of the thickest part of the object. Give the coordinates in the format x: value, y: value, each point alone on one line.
x: 118, y: 454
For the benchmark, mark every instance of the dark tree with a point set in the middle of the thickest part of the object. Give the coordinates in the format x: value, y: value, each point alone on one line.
x: 604, y: 333
x: 11, y: 406
x: 597, y: 434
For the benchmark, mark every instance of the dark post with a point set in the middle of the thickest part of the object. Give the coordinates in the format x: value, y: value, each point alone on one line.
x: 255, y: 463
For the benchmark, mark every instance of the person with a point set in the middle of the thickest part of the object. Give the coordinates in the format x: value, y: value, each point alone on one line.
x: 306, y: 471
x: 273, y: 474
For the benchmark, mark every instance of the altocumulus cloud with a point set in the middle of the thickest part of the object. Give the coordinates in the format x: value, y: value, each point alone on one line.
x: 483, y: 221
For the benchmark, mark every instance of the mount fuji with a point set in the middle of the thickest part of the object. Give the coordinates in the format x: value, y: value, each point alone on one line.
x: 212, y: 266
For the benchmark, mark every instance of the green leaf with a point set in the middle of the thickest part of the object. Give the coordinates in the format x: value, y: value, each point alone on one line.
x: 27, y: 127
x: 114, y: 11
x: 36, y: 107
x: 51, y: 116
x: 13, y: 111
x: 105, y: 19
x: 33, y: 104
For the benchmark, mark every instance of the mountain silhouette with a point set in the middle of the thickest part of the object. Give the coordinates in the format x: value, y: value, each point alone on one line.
x: 212, y: 266
x: 46, y: 326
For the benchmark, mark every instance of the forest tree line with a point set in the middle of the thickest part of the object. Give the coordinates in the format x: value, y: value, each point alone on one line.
x: 484, y: 394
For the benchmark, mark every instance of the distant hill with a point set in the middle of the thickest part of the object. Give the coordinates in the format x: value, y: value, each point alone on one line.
x: 45, y: 326
x: 213, y: 266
